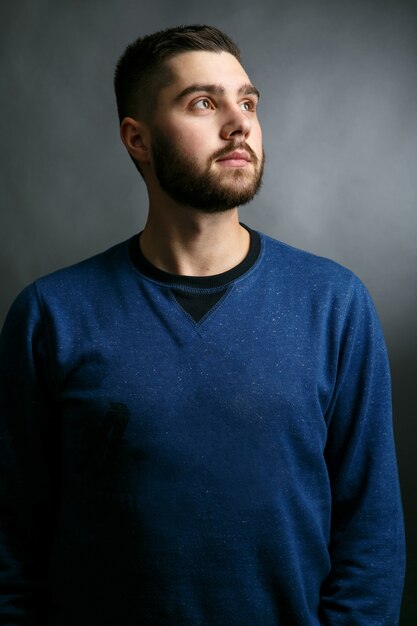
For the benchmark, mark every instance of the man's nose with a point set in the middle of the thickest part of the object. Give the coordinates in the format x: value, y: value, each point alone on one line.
x: 236, y: 123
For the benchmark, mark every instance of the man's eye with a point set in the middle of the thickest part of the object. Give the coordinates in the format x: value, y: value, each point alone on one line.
x: 247, y: 106
x: 202, y: 104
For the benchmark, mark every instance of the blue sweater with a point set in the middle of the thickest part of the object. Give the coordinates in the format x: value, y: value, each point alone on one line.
x: 236, y: 471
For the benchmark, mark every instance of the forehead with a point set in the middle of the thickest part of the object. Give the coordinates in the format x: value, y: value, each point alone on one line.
x: 205, y: 67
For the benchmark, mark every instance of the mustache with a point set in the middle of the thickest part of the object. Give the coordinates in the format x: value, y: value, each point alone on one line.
x: 239, y: 146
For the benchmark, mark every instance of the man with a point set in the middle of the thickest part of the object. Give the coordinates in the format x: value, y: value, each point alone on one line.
x: 196, y: 423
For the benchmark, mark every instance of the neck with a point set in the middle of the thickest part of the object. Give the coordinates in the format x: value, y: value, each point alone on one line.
x: 194, y: 243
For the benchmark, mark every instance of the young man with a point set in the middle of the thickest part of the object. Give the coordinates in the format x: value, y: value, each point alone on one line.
x: 196, y: 424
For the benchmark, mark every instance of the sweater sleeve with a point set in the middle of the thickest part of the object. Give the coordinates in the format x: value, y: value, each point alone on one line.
x: 26, y: 483
x: 365, y: 583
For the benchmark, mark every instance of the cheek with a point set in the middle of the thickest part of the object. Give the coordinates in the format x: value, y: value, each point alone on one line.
x: 188, y: 141
x: 256, y: 143
x: 192, y: 132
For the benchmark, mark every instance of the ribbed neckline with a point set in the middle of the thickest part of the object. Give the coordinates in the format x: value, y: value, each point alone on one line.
x: 196, y: 282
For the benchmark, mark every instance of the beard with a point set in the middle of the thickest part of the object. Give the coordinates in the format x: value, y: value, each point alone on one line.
x: 204, y: 189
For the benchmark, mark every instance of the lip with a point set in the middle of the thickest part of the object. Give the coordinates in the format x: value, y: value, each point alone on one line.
x: 236, y: 156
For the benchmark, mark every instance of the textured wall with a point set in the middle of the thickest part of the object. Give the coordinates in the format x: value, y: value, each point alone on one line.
x: 338, y: 83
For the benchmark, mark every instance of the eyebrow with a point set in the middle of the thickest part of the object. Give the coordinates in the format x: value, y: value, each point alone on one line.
x: 217, y: 90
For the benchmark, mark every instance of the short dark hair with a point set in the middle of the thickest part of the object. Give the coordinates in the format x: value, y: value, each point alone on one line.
x: 141, y: 70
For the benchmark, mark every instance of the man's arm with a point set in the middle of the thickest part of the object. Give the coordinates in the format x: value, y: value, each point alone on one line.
x: 26, y: 507
x: 367, y: 538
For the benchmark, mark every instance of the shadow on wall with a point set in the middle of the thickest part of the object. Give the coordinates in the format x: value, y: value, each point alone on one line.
x: 403, y: 368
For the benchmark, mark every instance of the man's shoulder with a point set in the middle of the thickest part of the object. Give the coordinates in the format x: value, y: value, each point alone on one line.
x: 75, y: 284
x: 95, y: 267
x: 318, y: 282
x: 298, y: 264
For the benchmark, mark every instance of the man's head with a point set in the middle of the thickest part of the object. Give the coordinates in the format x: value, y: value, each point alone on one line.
x: 142, y: 70
x: 185, y: 105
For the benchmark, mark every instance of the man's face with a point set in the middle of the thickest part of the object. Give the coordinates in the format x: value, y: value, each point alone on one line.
x: 206, y: 141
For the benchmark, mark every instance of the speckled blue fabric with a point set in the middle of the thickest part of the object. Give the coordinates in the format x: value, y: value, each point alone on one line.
x: 238, y: 471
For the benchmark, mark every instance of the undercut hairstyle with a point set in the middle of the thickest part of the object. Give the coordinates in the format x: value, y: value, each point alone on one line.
x: 142, y: 70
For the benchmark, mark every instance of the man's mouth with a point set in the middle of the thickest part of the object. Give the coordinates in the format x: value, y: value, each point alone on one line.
x: 237, y: 158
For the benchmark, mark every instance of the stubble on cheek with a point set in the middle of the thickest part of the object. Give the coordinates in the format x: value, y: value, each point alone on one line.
x: 198, y: 182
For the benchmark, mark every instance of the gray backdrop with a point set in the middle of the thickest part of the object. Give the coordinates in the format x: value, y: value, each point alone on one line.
x: 339, y: 112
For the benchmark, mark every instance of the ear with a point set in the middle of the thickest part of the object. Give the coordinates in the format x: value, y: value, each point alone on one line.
x: 135, y: 136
